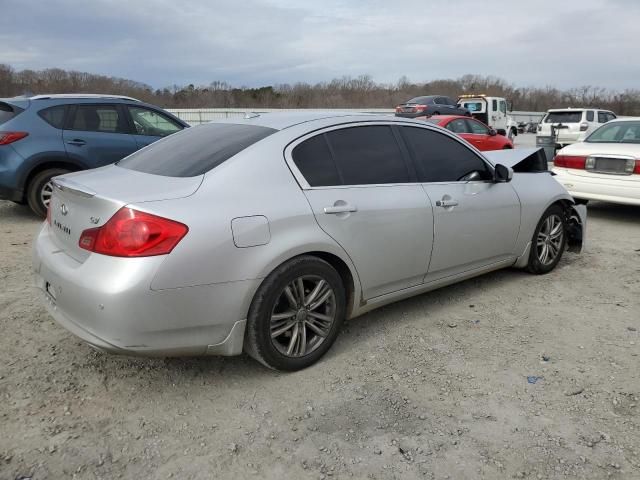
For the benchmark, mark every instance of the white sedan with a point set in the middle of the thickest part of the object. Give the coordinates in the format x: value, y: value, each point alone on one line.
x: 606, y: 166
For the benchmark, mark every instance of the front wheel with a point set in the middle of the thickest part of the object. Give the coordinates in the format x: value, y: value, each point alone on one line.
x: 296, y: 314
x: 548, y: 242
x: 40, y: 190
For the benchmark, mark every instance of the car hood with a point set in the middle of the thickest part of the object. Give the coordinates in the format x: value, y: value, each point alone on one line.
x: 520, y: 159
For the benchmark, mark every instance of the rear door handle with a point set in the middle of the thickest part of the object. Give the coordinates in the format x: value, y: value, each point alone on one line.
x: 340, y: 209
x: 77, y: 142
x: 446, y: 203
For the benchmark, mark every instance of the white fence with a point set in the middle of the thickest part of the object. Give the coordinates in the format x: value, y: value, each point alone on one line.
x: 196, y: 116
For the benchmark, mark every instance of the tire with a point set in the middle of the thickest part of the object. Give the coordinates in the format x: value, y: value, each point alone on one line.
x: 271, y: 302
x: 38, y: 188
x: 553, y: 243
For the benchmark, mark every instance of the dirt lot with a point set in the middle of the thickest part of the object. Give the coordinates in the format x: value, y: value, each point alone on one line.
x: 432, y: 387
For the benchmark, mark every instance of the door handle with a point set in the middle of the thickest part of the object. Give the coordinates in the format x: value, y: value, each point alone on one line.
x: 340, y: 209
x: 446, y: 203
x: 77, y: 142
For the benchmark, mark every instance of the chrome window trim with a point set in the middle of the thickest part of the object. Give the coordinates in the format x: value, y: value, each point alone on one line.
x: 304, y: 185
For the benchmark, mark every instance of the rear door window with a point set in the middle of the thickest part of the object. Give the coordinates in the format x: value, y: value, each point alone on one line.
x: 54, y: 116
x: 152, y: 123
x: 314, y: 160
x: 590, y: 116
x: 195, y: 150
x: 602, y: 117
x: 440, y: 158
x: 98, y: 118
x: 368, y: 155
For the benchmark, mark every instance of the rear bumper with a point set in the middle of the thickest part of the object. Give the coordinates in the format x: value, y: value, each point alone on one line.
x: 412, y: 115
x: 108, y: 303
x: 10, y: 164
x: 606, y: 188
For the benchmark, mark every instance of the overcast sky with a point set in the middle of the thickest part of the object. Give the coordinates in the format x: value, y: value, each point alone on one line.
x: 563, y: 43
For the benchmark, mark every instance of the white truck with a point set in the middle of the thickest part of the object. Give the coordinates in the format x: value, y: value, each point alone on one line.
x: 491, y: 111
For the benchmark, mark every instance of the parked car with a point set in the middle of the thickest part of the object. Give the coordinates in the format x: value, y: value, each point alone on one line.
x: 606, y: 166
x: 430, y: 105
x: 48, y: 135
x: 573, y: 124
x: 263, y: 234
x: 473, y: 131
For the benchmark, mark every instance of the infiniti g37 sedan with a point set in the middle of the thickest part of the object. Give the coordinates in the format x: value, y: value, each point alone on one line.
x: 264, y: 234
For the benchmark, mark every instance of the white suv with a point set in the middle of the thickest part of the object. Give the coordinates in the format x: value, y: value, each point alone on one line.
x: 575, y: 123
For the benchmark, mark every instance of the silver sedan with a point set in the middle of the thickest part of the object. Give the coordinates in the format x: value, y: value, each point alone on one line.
x: 264, y: 234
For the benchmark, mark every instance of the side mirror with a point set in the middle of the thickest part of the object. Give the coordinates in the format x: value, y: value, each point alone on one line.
x: 502, y: 174
x: 492, y: 132
x: 502, y: 131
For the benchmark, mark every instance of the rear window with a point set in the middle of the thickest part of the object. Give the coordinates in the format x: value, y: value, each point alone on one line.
x: 195, y: 150
x: 7, y: 112
x: 473, y: 106
x: 420, y: 100
x: 616, y: 132
x: 563, y: 117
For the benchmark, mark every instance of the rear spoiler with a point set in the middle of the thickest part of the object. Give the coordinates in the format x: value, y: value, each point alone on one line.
x: 520, y: 159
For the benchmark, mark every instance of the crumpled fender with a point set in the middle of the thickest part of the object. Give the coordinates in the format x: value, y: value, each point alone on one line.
x: 520, y: 159
x: 577, y: 228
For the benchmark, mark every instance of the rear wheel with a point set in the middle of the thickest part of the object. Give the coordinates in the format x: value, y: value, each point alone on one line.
x: 40, y: 190
x: 296, y: 314
x: 548, y: 242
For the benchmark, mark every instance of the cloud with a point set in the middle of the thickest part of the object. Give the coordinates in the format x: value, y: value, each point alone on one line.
x: 259, y: 42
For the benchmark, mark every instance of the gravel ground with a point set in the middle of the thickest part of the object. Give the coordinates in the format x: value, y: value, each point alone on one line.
x: 505, y: 376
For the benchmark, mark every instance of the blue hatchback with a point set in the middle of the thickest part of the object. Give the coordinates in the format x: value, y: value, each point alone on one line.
x: 48, y: 135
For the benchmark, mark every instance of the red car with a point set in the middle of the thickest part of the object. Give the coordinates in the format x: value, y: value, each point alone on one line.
x: 473, y: 131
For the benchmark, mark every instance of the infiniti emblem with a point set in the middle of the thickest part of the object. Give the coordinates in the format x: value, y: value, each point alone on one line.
x: 63, y: 209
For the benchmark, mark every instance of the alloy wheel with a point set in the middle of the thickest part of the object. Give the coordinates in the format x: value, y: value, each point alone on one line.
x: 45, y: 194
x: 550, y: 239
x: 302, y: 316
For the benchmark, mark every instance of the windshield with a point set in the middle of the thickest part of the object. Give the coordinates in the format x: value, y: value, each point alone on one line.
x: 616, y: 132
x: 195, y: 150
x: 563, y: 117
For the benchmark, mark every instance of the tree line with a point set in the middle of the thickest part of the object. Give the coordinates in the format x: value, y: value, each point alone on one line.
x: 345, y: 92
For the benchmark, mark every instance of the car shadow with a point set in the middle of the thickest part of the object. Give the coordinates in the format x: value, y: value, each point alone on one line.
x: 216, y: 369
x: 17, y: 212
x: 613, y: 211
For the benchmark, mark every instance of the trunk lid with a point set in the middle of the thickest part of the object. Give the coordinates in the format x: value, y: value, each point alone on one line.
x: 88, y: 199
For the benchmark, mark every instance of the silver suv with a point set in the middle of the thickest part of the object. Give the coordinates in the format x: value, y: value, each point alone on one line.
x: 573, y: 124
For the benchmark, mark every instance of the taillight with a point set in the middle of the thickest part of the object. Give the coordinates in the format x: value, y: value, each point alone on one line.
x: 9, y: 137
x: 420, y: 108
x: 584, y: 126
x: 398, y: 109
x: 570, y: 161
x: 637, y: 167
x: 131, y: 233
